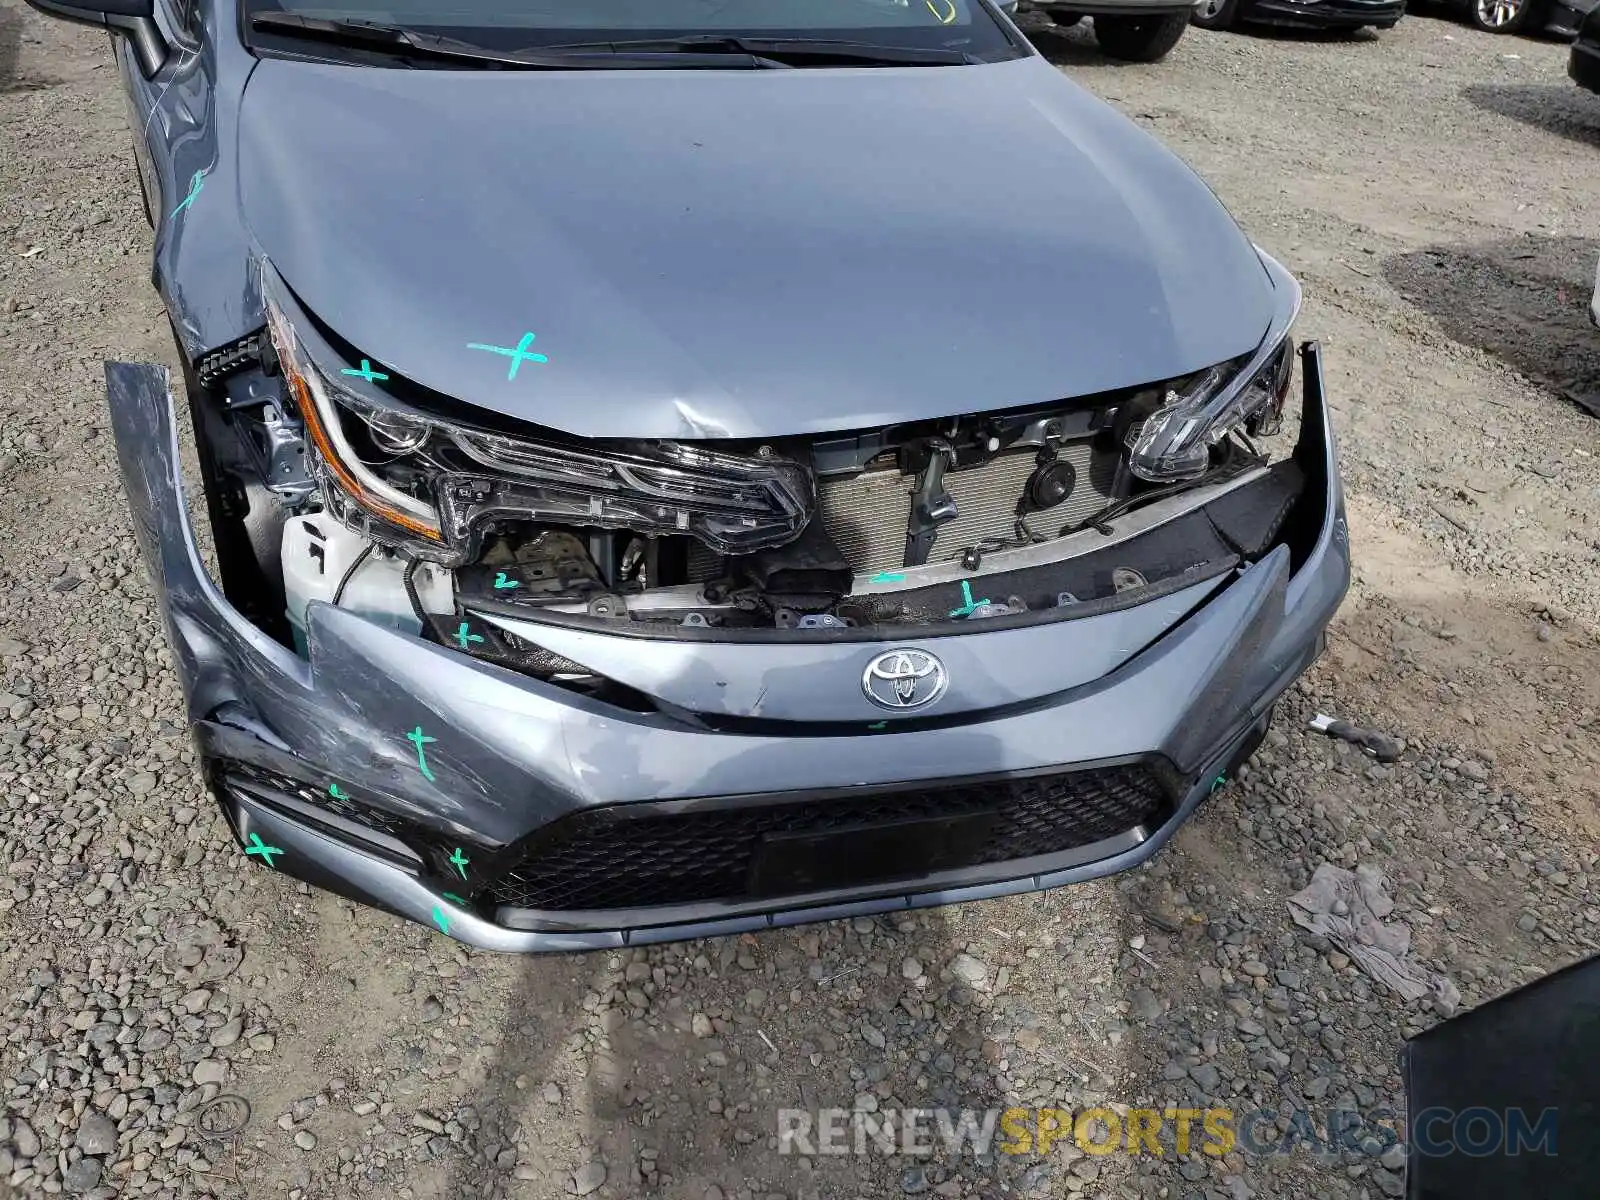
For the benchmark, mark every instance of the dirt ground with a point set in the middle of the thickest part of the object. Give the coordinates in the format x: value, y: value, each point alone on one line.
x: 1431, y: 187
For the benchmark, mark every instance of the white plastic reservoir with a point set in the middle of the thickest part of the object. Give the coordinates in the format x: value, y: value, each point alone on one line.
x: 318, y: 552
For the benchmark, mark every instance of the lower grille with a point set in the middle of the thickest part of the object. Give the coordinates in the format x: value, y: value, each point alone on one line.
x: 866, y: 514
x: 627, y: 856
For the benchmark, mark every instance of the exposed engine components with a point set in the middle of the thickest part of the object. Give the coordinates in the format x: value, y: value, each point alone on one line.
x: 551, y: 566
x: 931, y: 504
x: 322, y: 560
x: 1126, y: 579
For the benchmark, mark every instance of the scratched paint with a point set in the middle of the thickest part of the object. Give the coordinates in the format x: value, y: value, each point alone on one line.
x: 419, y: 739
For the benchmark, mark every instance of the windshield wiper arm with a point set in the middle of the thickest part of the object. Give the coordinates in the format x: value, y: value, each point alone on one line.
x: 412, y: 43
x: 788, y: 51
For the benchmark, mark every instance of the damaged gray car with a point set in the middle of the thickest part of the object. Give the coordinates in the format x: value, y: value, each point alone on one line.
x: 676, y: 469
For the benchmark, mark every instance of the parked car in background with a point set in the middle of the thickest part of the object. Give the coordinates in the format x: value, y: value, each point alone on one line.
x: 1583, y: 63
x: 1132, y: 30
x: 1559, y: 18
x: 1315, y: 14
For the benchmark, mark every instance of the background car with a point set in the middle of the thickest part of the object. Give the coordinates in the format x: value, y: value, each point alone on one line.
x: 1316, y: 14
x: 1132, y: 30
x: 1583, y: 64
x: 1560, y: 18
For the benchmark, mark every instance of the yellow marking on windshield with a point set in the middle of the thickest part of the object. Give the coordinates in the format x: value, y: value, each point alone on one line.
x: 945, y: 18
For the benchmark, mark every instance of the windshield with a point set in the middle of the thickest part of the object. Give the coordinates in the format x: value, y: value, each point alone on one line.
x: 956, y: 25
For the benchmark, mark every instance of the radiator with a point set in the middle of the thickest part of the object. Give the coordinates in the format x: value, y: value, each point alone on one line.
x: 866, y: 515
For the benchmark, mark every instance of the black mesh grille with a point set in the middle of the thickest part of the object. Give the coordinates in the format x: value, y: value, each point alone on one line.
x: 622, y: 857
x: 341, y: 805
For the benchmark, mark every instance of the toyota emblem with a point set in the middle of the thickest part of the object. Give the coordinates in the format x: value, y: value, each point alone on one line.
x: 904, y: 679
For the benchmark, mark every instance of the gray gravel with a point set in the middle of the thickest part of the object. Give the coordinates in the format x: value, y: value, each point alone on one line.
x: 1432, y: 194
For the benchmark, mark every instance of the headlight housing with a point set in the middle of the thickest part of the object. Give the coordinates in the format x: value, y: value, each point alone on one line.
x: 1174, y: 443
x: 417, y: 481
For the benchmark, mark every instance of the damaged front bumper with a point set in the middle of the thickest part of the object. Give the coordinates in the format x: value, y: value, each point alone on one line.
x: 755, y: 788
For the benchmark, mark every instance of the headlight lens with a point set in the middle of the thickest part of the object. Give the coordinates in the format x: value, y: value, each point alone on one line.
x: 429, y: 485
x: 351, y: 486
x: 1174, y: 443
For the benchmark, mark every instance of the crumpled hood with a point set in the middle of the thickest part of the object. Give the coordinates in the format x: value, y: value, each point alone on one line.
x: 742, y: 253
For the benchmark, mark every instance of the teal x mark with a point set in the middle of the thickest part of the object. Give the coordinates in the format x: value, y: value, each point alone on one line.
x: 419, y: 739
x: 196, y: 182
x: 968, y: 603
x: 459, y: 861
x: 257, y: 846
x: 463, y: 637
x: 366, y: 372
x: 517, y: 354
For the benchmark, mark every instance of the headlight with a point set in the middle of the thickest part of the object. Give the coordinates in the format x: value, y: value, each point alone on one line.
x: 1174, y: 443
x: 415, y: 480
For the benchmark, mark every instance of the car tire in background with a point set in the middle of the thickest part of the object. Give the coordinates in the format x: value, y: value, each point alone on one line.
x: 1216, y: 14
x: 1140, y: 38
x: 1501, y: 16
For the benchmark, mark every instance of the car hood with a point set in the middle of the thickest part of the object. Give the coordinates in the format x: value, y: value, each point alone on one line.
x: 741, y: 253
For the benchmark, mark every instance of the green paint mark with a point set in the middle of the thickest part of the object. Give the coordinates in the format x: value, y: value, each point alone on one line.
x: 257, y: 846
x: 968, y: 603
x: 337, y: 792
x: 196, y: 182
x: 419, y: 739
x: 1217, y: 783
x: 463, y: 637
x: 887, y: 577
x: 454, y: 899
x: 516, y: 354
x: 459, y: 861
x: 879, y: 725
x: 439, y: 919
x: 366, y: 372
x: 503, y: 583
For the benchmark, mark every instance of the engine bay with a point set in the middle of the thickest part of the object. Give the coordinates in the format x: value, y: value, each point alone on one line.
x: 433, y: 518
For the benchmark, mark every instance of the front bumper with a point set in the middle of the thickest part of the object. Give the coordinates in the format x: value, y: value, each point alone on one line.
x: 1327, y: 14
x: 416, y: 779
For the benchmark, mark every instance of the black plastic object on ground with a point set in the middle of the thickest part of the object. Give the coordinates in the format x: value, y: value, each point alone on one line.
x: 1504, y: 1099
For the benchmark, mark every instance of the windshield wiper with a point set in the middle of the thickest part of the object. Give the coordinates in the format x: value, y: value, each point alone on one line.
x: 412, y: 43
x: 793, y: 52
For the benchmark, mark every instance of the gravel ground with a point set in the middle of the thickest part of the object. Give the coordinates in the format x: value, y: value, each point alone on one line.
x: 1426, y: 186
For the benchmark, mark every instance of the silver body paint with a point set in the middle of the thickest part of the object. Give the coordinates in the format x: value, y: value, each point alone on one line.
x: 700, y: 255
x: 1189, y: 676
